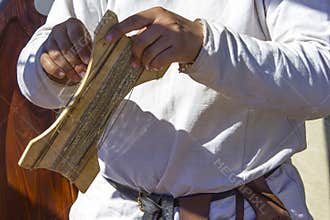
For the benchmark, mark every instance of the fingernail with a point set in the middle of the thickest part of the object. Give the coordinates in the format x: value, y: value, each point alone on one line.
x: 82, y: 74
x: 61, y: 75
x: 135, y: 65
x: 155, y: 69
x: 147, y: 67
x: 109, y: 38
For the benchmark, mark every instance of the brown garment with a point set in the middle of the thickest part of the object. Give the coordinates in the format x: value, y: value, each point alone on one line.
x: 36, y: 195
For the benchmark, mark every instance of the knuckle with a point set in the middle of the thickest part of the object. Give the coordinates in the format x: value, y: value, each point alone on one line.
x: 53, y: 70
x: 70, y: 58
x: 64, y: 67
x: 177, y: 27
x: 66, y: 52
x: 55, y: 54
x: 44, y: 60
x: 48, y: 66
x: 132, y: 21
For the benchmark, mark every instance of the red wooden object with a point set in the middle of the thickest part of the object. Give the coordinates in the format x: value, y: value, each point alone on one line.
x: 36, y: 195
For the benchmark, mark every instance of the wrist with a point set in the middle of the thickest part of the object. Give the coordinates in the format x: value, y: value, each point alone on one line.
x: 200, y: 33
x: 200, y: 36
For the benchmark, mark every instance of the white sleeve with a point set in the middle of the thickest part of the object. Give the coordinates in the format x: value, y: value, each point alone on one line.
x: 289, y: 74
x: 33, y: 82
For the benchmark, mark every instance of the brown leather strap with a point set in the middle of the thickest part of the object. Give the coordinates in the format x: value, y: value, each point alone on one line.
x: 260, y: 186
x: 265, y: 204
x: 195, y: 207
x: 239, y: 206
x: 274, y: 199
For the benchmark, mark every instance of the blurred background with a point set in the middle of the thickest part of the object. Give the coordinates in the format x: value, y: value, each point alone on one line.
x: 41, y: 194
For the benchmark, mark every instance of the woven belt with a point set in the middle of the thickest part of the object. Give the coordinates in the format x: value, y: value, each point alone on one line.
x: 157, y: 206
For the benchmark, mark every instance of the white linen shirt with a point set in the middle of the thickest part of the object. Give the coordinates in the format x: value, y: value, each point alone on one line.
x: 236, y: 114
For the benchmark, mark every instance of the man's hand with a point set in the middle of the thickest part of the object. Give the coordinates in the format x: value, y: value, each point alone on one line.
x: 66, y: 52
x: 164, y: 38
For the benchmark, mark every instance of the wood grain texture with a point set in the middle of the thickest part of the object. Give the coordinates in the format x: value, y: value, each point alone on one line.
x: 24, y: 195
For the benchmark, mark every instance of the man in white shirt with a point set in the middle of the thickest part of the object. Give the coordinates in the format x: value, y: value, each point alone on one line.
x: 253, y: 72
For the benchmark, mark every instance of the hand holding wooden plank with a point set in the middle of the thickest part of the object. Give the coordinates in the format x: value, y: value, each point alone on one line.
x: 69, y: 146
x: 166, y: 38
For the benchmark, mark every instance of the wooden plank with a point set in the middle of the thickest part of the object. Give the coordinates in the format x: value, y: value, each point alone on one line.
x: 69, y: 146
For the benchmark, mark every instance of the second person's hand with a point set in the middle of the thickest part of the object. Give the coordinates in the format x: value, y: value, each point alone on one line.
x: 164, y: 38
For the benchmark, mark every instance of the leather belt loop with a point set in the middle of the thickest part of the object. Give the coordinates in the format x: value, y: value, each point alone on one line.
x: 239, y: 206
x: 195, y: 207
